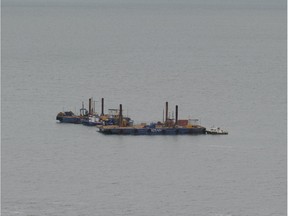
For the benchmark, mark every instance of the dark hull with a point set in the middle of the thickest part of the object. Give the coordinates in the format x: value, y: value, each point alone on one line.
x: 153, y: 131
x: 89, y: 123
x: 69, y: 119
x: 217, y: 133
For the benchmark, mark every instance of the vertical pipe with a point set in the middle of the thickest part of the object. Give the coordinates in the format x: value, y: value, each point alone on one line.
x: 120, y: 116
x: 90, y: 99
x: 166, y: 119
x: 102, y: 106
x: 176, y: 115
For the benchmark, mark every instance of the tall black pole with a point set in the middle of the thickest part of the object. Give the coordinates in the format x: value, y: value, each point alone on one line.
x: 166, y: 119
x: 90, y: 100
x: 120, y: 116
x: 102, y: 106
x: 176, y: 115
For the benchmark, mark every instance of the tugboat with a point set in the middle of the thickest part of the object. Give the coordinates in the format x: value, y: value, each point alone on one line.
x: 169, y: 127
x: 91, y: 118
x: 217, y: 131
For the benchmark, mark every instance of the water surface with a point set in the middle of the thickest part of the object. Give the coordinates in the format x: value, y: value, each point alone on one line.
x: 223, y: 62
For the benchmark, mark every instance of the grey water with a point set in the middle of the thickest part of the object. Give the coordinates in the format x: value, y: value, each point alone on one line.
x: 222, y: 61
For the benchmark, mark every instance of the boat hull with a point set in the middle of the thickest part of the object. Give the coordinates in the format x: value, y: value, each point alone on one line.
x: 216, y: 133
x: 69, y: 119
x: 153, y: 131
x: 89, y: 123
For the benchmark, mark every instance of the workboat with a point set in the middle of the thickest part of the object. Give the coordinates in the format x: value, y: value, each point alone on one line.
x: 91, y: 120
x: 217, y: 131
x: 168, y: 127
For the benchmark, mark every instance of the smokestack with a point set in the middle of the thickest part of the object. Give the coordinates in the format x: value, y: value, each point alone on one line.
x: 102, y: 106
x: 120, y: 116
x: 176, y: 115
x: 166, y: 119
x: 90, y: 105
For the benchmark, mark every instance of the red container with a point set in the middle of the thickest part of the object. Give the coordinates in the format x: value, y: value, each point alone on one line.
x: 183, y: 122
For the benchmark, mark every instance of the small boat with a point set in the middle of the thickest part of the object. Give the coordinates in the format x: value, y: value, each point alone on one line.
x: 216, y: 131
x: 92, y: 120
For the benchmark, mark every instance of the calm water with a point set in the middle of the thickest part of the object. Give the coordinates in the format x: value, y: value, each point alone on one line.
x: 221, y: 61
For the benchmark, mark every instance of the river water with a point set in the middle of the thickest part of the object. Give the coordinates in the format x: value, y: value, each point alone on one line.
x: 222, y: 61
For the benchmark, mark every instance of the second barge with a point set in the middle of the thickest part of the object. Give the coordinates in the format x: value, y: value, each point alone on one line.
x: 136, y: 130
x: 169, y: 127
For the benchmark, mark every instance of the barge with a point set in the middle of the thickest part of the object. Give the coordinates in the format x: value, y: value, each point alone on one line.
x: 70, y: 117
x: 91, y: 118
x: 115, y: 123
x: 86, y: 117
x: 138, y: 130
x: 168, y: 127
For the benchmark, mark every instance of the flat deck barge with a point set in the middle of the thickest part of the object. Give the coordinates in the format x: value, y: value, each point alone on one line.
x: 138, y: 130
x: 167, y: 127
